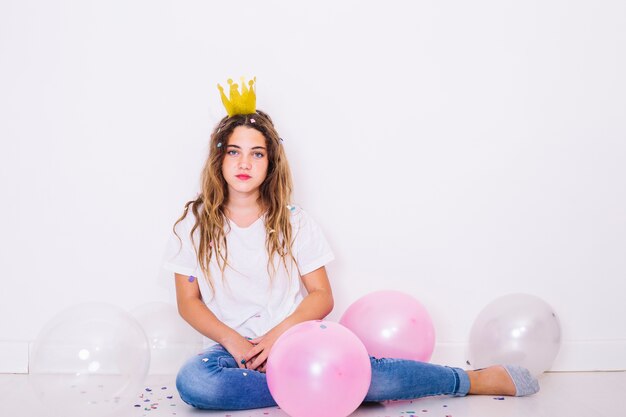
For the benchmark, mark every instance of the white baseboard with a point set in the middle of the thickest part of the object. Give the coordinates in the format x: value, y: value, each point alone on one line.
x: 603, y: 355
x: 608, y: 355
x: 13, y: 357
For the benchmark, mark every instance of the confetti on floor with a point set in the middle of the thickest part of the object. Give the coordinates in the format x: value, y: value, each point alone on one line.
x: 154, y: 401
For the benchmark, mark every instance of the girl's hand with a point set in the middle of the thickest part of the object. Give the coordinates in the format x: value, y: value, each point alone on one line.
x: 256, y: 358
x: 238, y: 347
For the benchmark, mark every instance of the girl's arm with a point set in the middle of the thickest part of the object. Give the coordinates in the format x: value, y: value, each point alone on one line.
x: 315, y: 306
x: 200, y: 317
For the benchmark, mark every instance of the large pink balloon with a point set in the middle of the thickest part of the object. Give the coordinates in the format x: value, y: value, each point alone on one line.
x: 318, y: 368
x: 392, y: 324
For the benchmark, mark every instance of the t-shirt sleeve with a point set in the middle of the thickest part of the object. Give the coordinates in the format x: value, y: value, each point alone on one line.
x: 180, y: 256
x: 312, y: 248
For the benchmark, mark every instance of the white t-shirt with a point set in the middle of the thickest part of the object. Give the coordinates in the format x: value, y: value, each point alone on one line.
x: 245, y: 300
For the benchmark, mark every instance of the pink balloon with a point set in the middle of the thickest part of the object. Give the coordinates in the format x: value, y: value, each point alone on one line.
x: 392, y: 324
x: 318, y: 368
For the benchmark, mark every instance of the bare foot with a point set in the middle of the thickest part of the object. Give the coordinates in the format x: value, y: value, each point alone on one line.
x: 494, y: 380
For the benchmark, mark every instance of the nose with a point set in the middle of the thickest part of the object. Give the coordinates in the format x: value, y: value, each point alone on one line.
x: 244, y: 162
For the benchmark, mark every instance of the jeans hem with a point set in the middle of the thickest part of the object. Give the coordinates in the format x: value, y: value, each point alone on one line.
x: 462, y: 385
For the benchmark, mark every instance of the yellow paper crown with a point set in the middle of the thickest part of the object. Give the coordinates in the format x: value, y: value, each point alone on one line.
x: 239, y: 103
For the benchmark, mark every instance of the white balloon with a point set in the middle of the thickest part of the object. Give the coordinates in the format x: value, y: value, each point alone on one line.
x: 517, y: 329
x: 89, y: 360
x: 172, y: 340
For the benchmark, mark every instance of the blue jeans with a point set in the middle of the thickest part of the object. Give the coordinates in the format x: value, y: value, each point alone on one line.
x: 213, y: 380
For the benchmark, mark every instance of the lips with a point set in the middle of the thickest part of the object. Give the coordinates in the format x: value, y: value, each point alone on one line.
x: 243, y: 177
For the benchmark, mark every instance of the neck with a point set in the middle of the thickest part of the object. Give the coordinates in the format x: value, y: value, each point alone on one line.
x: 243, y: 202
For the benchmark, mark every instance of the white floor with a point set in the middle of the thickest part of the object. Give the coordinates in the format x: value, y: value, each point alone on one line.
x: 568, y: 394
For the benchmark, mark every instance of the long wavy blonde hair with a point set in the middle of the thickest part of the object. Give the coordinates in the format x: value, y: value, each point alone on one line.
x: 275, y: 195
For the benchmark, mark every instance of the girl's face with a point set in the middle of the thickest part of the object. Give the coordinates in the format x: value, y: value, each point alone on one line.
x: 245, y: 164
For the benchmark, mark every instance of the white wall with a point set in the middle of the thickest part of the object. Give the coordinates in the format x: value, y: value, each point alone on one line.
x: 457, y: 151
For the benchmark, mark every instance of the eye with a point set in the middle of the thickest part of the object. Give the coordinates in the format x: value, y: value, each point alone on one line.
x: 259, y: 155
x: 232, y: 152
